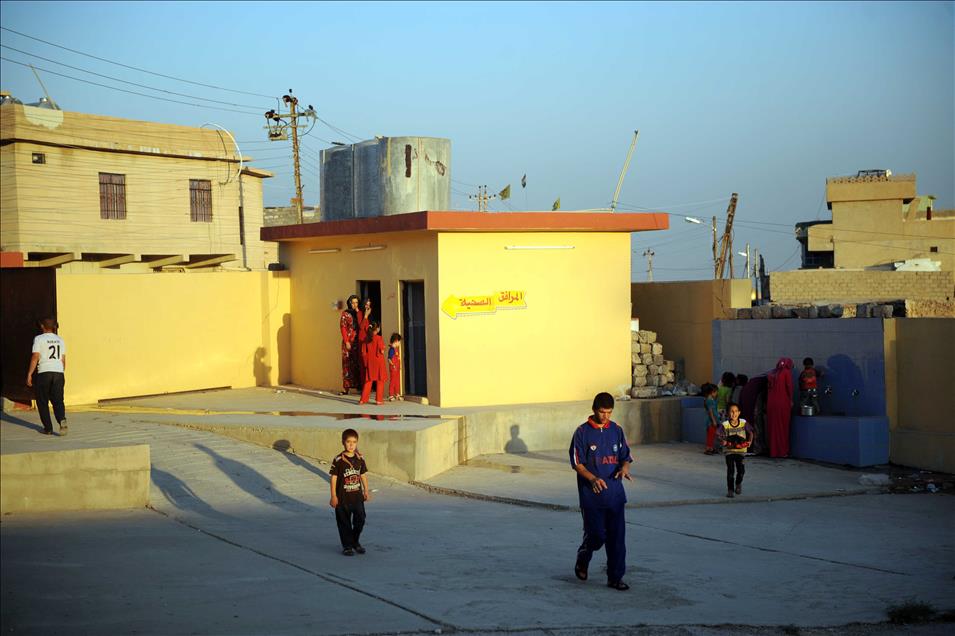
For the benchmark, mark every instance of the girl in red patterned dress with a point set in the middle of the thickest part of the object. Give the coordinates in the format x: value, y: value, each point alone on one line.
x: 374, y: 349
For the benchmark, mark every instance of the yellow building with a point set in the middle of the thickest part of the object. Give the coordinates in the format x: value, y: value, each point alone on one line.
x: 879, y: 219
x: 94, y: 193
x: 503, y: 308
x: 85, y: 195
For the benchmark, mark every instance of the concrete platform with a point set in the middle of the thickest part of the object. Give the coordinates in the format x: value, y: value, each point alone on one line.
x: 403, y: 440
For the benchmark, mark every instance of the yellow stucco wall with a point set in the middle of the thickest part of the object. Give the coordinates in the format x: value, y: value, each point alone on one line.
x: 682, y: 314
x: 920, y: 374
x: 55, y: 206
x: 319, y: 281
x: 141, y: 334
x: 572, y: 340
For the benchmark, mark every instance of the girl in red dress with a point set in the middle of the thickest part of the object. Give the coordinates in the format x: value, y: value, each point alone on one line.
x: 394, y: 368
x: 374, y: 349
x: 779, y: 406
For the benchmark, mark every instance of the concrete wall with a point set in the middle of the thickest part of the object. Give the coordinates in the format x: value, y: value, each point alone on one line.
x: 849, y: 353
x: 920, y: 376
x: 418, y: 454
x: 141, y: 334
x: 54, y: 207
x: 83, y: 479
x: 836, y: 285
x: 682, y: 313
x: 571, y: 341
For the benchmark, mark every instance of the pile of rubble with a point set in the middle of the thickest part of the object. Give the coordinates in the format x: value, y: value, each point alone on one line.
x: 653, y: 375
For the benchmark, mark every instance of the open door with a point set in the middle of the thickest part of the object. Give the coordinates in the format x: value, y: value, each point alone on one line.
x: 412, y: 333
x: 372, y: 289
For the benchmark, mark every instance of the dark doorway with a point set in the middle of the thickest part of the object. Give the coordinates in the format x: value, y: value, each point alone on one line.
x: 371, y: 289
x: 412, y: 332
x: 27, y: 296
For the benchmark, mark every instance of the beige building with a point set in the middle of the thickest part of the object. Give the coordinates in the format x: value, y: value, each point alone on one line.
x: 877, y: 220
x: 94, y: 194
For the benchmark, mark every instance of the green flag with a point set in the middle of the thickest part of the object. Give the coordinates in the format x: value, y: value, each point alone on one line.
x: 556, y: 205
x: 505, y: 193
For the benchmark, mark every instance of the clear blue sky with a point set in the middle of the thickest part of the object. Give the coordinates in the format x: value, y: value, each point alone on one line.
x: 766, y: 100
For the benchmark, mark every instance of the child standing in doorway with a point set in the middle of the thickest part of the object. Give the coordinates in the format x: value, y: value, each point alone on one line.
x: 349, y: 488
x: 374, y: 355
x: 735, y: 437
x: 394, y: 367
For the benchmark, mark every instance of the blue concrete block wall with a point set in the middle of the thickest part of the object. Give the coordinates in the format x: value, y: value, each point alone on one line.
x: 857, y: 441
x: 693, y: 425
x: 849, y: 352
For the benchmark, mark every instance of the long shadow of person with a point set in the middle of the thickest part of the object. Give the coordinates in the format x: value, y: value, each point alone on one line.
x: 20, y: 422
x: 179, y: 494
x: 250, y: 480
x: 285, y: 447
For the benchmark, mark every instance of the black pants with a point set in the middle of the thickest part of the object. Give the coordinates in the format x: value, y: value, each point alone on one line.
x: 734, y: 461
x: 350, y: 516
x: 49, y: 388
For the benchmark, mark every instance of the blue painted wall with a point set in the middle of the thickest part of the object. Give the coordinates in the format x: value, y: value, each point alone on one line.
x: 849, y: 352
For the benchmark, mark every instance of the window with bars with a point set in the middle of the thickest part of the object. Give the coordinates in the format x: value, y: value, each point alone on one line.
x: 200, y: 200
x: 112, y: 196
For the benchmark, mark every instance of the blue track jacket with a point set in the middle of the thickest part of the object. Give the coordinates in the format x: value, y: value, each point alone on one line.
x: 602, y: 450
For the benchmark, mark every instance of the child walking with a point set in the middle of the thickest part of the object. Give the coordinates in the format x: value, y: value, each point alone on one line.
x: 735, y: 436
x: 394, y: 368
x: 709, y: 404
x: 349, y: 493
x: 374, y: 356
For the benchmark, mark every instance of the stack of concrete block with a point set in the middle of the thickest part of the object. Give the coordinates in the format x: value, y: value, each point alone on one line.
x: 652, y: 373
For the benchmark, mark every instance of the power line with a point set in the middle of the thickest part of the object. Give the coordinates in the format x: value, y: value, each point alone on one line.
x: 116, y: 79
x: 135, y: 68
x: 123, y: 90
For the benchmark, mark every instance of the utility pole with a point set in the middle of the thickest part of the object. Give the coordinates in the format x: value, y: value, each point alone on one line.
x: 277, y: 124
x: 649, y: 254
x: 715, y: 262
x: 482, y: 198
x: 727, y: 240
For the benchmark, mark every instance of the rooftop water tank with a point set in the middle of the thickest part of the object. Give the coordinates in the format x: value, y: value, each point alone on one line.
x: 385, y: 176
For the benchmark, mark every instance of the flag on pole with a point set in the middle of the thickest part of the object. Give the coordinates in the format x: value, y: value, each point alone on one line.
x: 505, y: 193
x: 556, y: 205
x: 524, y: 181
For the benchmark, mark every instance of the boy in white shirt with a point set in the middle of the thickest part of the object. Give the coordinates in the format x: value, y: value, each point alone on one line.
x: 49, y: 361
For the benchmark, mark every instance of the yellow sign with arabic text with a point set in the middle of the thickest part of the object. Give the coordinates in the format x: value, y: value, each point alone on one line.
x: 455, y: 306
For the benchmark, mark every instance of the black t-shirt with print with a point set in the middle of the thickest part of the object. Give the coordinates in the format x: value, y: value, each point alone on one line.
x: 349, y: 471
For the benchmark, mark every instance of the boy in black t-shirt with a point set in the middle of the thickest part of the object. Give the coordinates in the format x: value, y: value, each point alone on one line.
x: 349, y: 493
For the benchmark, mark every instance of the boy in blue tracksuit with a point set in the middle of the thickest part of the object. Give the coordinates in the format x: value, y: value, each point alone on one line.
x: 600, y: 456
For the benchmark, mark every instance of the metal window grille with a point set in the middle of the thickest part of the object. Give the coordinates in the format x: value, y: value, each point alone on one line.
x: 200, y: 200
x: 112, y: 196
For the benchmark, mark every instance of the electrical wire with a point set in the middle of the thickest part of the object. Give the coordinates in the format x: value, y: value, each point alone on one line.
x: 123, y: 90
x: 134, y: 68
x: 116, y: 79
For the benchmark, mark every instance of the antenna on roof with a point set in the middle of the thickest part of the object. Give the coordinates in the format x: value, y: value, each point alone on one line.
x: 49, y: 99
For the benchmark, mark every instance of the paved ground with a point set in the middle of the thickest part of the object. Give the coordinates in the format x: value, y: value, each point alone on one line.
x: 240, y: 540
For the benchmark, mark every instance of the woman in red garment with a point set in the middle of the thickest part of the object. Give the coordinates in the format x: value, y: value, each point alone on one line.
x: 779, y: 406
x: 350, y: 350
x: 375, y: 369
x: 364, y: 319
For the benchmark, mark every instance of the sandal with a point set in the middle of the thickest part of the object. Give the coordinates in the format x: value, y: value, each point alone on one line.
x: 619, y: 585
x: 580, y: 571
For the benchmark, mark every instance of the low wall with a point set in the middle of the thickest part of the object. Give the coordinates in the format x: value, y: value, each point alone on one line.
x: 415, y: 455
x: 920, y: 374
x: 144, y: 334
x: 115, y: 477
x: 843, y: 286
